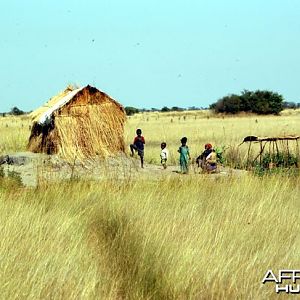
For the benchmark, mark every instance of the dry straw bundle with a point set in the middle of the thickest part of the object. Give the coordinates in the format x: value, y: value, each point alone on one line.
x: 78, y: 124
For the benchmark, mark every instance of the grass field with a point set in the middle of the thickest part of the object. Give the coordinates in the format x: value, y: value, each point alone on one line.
x: 185, y: 238
x: 189, y: 237
x: 199, y: 126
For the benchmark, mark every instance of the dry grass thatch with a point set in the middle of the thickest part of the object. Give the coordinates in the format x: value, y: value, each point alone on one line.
x: 253, y: 138
x: 85, y: 122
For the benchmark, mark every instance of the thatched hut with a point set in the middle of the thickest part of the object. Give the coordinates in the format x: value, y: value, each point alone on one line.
x: 77, y: 124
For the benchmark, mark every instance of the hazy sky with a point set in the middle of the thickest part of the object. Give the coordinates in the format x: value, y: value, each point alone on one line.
x: 148, y: 53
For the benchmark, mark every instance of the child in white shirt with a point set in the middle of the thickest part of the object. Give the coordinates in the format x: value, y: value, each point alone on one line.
x: 164, y: 154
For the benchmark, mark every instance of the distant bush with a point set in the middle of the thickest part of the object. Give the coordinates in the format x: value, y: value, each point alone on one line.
x: 290, y: 105
x: 15, y: 111
x: 131, y: 110
x: 260, y: 102
x: 174, y: 108
x: 165, y: 109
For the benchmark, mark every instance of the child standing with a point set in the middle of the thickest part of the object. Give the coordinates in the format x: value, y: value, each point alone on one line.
x: 138, y: 145
x: 184, y: 156
x: 164, y: 155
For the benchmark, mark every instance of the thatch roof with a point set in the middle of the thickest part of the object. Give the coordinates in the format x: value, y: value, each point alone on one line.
x: 80, y: 123
x: 253, y: 138
x: 44, y: 113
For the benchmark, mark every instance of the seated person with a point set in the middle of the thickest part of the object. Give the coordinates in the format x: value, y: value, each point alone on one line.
x: 201, y: 159
x: 211, y: 161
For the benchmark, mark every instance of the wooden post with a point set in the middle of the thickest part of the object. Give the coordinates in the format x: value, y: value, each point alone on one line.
x: 297, y: 150
x: 273, y: 154
x: 259, y: 154
x: 248, y: 154
x: 288, y: 153
x: 261, y: 151
x: 277, y: 149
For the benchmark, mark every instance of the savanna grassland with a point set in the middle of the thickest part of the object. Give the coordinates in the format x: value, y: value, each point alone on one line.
x: 184, y: 237
x: 199, y: 126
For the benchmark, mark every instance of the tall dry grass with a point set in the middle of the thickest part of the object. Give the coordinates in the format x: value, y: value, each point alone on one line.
x: 180, y: 238
x: 14, y: 134
x: 189, y: 237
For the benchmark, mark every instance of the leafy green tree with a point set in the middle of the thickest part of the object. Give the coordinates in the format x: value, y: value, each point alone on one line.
x: 260, y: 102
x: 267, y: 102
x: 232, y: 104
x: 246, y: 101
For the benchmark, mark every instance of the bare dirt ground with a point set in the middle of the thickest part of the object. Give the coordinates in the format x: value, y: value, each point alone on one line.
x: 34, y: 168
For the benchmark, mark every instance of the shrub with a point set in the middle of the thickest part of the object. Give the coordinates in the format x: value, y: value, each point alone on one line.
x: 15, y: 111
x: 260, y: 102
x: 15, y: 177
x: 131, y: 110
x: 279, y: 160
x: 165, y: 109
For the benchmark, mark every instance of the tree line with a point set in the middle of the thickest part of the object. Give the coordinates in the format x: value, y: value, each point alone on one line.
x: 15, y: 111
x: 133, y: 110
x: 260, y: 102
